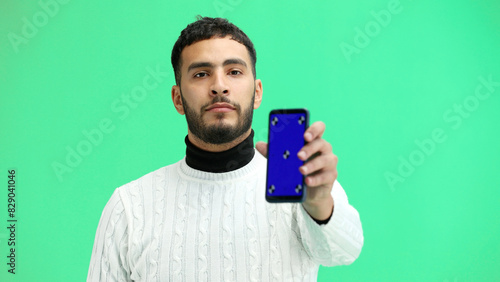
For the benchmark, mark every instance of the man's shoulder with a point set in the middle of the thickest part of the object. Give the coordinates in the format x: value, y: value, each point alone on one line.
x: 150, y: 179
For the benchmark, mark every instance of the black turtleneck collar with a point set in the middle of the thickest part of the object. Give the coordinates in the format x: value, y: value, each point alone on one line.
x: 224, y: 161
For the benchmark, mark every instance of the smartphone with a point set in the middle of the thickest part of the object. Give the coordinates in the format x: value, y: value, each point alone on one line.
x: 284, y: 182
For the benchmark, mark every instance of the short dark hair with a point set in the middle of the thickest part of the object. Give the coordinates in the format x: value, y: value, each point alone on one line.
x: 206, y: 28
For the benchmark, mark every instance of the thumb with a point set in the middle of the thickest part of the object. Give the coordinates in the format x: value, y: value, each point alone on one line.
x: 262, y: 148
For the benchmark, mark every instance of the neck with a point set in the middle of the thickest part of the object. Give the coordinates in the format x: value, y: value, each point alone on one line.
x: 231, y: 159
x: 216, y: 147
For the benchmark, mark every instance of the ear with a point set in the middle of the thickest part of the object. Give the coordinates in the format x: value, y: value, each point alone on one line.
x: 176, y: 98
x: 258, y: 94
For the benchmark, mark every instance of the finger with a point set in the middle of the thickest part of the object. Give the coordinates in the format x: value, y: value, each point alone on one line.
x: 311, y: 148
x: 321, y: 178
x: 314, y: 131
x: 326, y: 162
x: 261, y: 148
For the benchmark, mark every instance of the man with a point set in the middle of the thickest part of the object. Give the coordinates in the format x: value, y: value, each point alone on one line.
x: 205, y: 217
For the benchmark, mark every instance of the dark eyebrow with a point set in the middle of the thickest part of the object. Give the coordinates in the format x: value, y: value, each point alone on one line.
x: 234, y: 61
x: 200, y: 65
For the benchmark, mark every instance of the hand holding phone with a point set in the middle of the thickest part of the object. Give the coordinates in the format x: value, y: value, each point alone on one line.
x: 284, y: 182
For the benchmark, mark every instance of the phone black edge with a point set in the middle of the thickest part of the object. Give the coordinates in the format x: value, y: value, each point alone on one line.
x: 288, y: 199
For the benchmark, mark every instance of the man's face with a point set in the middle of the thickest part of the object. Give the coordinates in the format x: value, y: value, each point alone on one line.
x: 217, y: 91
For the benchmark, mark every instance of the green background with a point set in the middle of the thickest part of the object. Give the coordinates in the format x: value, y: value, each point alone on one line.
x: 437, y: 222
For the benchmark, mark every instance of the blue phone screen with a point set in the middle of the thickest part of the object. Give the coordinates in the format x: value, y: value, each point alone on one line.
x: 286, y: 138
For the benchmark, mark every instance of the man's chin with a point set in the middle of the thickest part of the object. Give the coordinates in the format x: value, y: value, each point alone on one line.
x: 222, y: 132
x: 222, y: 128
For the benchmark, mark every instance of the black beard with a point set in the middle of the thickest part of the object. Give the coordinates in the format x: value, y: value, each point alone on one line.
x: 218, y: 133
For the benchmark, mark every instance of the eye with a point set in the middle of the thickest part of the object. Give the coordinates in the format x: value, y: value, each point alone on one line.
x: 200, y: 74
x: 235, y: 72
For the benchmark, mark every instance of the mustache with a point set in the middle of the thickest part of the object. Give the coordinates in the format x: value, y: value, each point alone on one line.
x: 221, y: 99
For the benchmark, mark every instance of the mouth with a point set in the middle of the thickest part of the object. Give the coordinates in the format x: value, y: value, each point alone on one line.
x: 220, y: 108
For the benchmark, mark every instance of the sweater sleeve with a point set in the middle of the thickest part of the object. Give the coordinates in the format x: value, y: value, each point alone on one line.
x: 108, y: 261
x: 338, y: 242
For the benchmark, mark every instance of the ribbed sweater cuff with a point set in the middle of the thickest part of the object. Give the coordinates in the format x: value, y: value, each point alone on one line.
x: 337, y: 242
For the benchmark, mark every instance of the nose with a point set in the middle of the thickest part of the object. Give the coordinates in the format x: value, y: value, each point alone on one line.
x: 219, y: 84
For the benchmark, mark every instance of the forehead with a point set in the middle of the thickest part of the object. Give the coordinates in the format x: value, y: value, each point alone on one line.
x: 214, y: 50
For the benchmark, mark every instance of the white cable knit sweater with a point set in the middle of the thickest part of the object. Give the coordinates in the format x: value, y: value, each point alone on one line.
x: 182, y: 224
